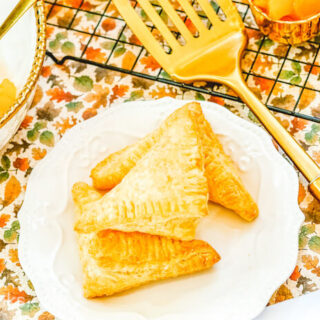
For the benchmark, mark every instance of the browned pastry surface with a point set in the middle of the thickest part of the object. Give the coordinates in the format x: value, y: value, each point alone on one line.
x: 114, y: 261
x: 165, y: 193
x: 225, y: 185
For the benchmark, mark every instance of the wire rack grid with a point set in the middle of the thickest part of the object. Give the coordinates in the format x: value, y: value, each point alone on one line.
x: 104, y: 31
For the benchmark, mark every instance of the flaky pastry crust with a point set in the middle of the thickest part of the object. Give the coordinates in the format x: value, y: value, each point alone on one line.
x: 165, y: 193
x: 224, y: 184
x: 114, y: 261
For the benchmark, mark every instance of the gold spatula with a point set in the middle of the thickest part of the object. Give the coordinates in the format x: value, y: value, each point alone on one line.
x: 213, y: 56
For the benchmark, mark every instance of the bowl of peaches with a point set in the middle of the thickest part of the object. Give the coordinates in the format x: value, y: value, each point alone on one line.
x: 22, y: 51
x: 287, y: 21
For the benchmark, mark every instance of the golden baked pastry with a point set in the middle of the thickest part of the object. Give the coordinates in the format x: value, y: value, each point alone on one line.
x: 114, y: 261
x: 82, y: 194
x: 166, y: 193
x: 109, y: 172
x: 225, y: 185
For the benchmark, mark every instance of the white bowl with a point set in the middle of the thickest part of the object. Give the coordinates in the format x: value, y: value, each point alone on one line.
x: 22, y: 51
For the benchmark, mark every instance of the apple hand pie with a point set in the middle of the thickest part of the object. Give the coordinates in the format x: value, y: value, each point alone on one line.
x: 114, y: 261
x: 225, y: 185
x: 165, y: 193
x: 109, y: 172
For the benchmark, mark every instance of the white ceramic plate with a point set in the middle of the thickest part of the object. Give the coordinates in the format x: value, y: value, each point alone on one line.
x: 256, y: 257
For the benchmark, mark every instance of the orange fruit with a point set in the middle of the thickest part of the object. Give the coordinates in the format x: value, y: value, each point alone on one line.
x: 280, y: 8
x: 306, y: 8
x: 263, y: 4
x: 8, y: 94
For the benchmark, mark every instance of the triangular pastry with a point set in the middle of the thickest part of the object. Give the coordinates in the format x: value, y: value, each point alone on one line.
x: 114, y: 261
x: 225, y: 185
x: 166, y: 193
x: 110, y: 172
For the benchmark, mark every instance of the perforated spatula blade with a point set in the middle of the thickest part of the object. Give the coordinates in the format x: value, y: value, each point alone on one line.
x: 183, y: 62
x: 214, y: 55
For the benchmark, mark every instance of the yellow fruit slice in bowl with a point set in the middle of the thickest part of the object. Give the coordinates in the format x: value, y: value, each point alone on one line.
x: 287, y: 21
x: 8, y: 94
x: 306, y: 8
x: 22, y: 51
x: 262, y: 4
x: 279, y: 9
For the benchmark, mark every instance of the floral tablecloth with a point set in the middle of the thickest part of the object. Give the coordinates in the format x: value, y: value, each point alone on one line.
x: 74, y: 92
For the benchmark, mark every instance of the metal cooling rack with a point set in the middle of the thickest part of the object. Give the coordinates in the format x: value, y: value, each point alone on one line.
x: 81, y: 7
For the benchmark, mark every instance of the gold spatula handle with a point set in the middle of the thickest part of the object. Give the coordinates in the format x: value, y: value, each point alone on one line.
x: 18, y: 11
x: 300, y: 158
